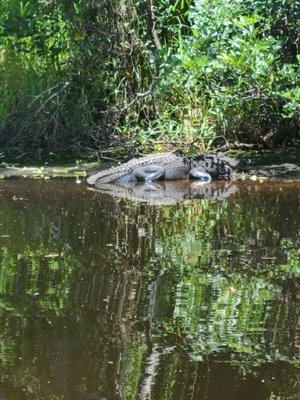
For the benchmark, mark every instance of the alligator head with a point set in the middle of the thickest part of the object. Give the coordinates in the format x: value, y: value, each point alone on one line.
x: 219, y: 166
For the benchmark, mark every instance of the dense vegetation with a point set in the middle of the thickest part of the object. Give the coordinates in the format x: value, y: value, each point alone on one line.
x: 88, y: 75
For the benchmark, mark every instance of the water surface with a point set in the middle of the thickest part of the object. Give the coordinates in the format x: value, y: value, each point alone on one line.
x: 105, y: 298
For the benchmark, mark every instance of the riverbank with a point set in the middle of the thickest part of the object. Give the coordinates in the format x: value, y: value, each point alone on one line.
x: 265, y: 165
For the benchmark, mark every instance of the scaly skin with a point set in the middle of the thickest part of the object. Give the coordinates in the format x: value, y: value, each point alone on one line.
x: 218, y: 165
x: 173, y: 165
x: 176, y: 166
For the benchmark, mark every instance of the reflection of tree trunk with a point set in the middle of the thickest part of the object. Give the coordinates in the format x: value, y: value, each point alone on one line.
x: 153, y: 295
x: 153, y: 359
x: 151, y: 365
x: 153, y: 233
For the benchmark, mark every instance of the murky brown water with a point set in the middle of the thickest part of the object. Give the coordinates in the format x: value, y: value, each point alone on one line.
x: 104, y: 298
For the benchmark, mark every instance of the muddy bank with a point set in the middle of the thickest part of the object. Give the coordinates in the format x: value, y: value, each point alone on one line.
x: 270, y: 172
x: 80, y: 172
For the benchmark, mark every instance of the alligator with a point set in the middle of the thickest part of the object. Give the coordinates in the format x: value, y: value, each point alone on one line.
x: 163, y: 166
x: 168, y: 166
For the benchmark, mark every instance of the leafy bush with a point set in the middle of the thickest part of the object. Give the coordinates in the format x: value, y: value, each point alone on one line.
x: 90, y: 74
x: 229, y: 68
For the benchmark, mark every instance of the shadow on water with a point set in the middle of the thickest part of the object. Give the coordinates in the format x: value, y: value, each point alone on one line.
x: 104, y: 298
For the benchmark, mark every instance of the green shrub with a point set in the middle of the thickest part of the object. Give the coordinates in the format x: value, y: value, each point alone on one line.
x: 76, y: 76
x: 230, y: 68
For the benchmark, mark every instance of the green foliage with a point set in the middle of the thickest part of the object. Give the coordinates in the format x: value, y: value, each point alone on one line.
x: 229, y: 68
x: 290, y: 88
x: 80, y: 75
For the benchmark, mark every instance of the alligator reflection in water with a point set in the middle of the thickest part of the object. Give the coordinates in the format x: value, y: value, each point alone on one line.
x: 102, y: 298
x: 169, y: 192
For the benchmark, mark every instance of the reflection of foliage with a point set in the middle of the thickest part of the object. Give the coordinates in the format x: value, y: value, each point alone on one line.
x: 86, y: 303
x: 292, y: 266
x: 226, y: 238
x: 38, y: 275
x: 220, y: 315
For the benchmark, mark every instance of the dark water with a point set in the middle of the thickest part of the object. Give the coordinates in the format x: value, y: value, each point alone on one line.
x: 104, y: 298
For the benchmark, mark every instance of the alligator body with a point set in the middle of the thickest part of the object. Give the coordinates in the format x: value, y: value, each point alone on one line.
x: 164, y: 166
x: 168, y: 166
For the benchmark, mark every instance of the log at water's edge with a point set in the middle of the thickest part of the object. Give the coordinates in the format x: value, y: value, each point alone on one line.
x: 47, y: 172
